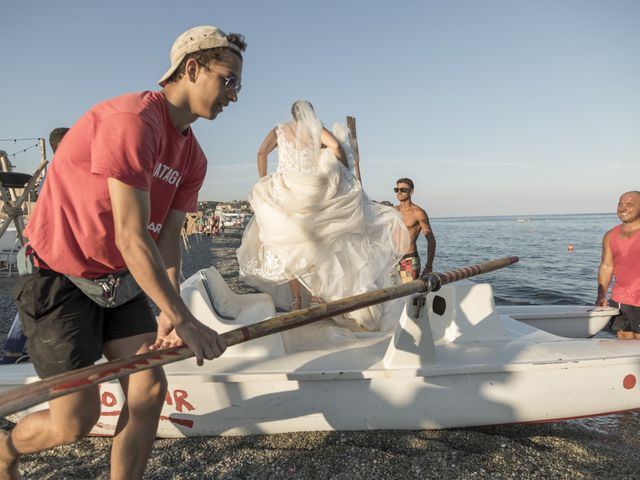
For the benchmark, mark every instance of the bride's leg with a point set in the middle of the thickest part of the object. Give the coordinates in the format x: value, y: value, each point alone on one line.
x: 315, y: 299
x: 294, y: 285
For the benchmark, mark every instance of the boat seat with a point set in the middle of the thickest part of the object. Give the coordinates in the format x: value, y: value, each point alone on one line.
x: 464, y: 312
x: 212, y: 302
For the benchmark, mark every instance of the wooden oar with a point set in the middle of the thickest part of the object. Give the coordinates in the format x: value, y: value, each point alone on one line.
x: 57, y: 386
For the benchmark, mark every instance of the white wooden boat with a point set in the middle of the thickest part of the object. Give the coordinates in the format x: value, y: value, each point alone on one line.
x: 453, y: 360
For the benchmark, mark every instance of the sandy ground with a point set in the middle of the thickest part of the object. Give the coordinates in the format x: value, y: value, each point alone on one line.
x: 586, y: 449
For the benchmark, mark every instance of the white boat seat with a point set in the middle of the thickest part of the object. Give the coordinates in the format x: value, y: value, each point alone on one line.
x: 464, y: 312
x: 225, y: 303
x: 212, y: 302
x: 573, y: 321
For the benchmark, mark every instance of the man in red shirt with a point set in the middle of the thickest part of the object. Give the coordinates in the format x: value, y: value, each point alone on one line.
x: 621, y: 259
x: 111, y: 212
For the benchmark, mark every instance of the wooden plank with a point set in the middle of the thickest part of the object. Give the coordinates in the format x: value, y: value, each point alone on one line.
x: 351, y: 125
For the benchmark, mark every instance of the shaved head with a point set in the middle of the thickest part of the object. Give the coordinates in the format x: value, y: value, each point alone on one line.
x: 634, y: 193
x: 629, y: 207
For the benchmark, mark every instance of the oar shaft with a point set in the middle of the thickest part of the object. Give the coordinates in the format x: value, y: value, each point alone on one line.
x: 54, y: 387
x: 472, y: 270
x: 430, y: 282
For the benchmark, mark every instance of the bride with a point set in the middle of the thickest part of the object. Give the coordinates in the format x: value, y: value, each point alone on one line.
x: 314, y: 225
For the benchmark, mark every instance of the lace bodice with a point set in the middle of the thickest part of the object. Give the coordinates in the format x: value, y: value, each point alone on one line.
x: 290, y: 158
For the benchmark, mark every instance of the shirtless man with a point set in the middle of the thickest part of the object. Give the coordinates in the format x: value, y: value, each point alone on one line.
x: 416, y: 220
x: 621, y: 259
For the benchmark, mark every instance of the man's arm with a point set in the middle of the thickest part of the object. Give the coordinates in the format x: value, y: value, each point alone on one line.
x: 332, y: 143
x: 605, y: 271
x: 168, y: 244
x: 143, y: 259
x: 425, y: 226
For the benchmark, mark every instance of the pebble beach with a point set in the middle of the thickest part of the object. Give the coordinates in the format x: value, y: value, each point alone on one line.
x: 608, y: 447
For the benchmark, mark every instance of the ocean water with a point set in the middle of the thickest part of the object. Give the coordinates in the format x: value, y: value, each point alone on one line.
x: 547, y: 273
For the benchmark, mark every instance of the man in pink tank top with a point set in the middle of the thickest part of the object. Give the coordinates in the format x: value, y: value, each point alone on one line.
x: 110, y: 214
x: 621, y: 260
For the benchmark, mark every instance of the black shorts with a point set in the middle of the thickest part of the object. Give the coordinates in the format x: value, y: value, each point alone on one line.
x: 628, y: 320
x: 65, y: 329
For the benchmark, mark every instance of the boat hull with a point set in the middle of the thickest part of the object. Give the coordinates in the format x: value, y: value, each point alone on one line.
x: 451, y: 361
x: 196, y: 406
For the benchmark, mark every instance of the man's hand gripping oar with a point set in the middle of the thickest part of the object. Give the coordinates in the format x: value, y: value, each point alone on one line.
x: 57, y: 386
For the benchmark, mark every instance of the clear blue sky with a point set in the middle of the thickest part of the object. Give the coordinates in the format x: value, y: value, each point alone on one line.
x: 492, y: 107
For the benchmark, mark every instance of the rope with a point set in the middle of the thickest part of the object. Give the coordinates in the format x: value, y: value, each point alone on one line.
x: 23, y: 150
x: 17, y: 139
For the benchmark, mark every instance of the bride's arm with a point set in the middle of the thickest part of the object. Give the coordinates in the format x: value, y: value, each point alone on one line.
x: 268, y: 144
x: 332, y: 143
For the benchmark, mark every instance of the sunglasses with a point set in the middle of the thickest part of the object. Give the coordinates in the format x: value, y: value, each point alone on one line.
x: 231, y: 83
x: 402, y: 189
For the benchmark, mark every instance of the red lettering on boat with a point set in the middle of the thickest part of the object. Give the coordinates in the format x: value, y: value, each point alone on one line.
x: 629, y: 381
x: 180, y: 398
x: 178, y: 421
x: 112, y: 413
x: 108, y: 399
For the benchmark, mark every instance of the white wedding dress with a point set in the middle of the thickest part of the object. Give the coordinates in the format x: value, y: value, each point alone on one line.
x: 313, y: 222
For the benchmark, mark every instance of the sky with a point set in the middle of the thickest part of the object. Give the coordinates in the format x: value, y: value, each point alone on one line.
x: 494, y: 107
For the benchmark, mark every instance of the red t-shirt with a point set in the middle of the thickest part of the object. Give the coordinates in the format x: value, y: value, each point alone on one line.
x: 129, y: 138
x: 626, y: 267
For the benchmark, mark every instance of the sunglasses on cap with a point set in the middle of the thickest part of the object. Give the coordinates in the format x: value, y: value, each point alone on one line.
x: 402, y: 189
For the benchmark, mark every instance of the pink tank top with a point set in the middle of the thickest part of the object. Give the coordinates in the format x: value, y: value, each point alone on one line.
x: 626, y: 267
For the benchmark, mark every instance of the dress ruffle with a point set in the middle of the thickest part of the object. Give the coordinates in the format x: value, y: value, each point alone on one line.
x: 319, y: 226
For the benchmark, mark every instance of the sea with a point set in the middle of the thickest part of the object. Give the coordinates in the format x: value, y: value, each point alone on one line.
x: 549, y: 271
x: 559, y: 254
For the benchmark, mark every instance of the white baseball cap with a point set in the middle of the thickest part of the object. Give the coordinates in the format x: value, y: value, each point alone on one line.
x: 194, y: 40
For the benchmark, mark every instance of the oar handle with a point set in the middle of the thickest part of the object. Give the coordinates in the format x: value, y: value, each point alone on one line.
x: 57, y: 386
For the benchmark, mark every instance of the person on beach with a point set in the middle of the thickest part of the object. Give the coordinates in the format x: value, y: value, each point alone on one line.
x: 621, y: 260
x: 110, y: 214
x: 15, y: 343
x: 416, y: 221
x: 55, y: 137
x: 313, y: 225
